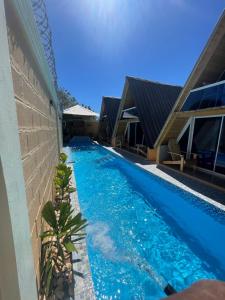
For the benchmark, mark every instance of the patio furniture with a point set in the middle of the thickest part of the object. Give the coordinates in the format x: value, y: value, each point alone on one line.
x: 119, y: 141
x: 178, y: 157
x: 140, y: 149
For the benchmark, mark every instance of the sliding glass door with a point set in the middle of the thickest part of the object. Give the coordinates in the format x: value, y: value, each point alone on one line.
x: 183, y: 142
x: 220, y: 159
x: 205, y: 141
x: 135, y: 134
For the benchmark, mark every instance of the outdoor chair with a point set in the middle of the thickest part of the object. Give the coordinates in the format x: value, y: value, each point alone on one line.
x: 177, y: 157
x: 140, y: 149
x: 119, y: 141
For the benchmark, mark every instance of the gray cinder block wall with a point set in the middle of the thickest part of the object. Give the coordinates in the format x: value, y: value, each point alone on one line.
x: 38, y: 127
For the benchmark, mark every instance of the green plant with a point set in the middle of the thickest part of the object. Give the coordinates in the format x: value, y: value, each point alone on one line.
x: 62, y: 179
x: 62, y: 157
x: 57, y: 243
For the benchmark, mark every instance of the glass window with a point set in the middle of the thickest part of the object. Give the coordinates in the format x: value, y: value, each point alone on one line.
x: 204, y: 98
x: 184, y: 140
x: 139, y: 134
x: 209, y: 97
x: 221, y: 95
x: 205, y: 139
x: 220, y: 162
x: 132, y: 134
x: 193, y: 100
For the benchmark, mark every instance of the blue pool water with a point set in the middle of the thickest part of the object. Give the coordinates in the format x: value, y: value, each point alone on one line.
x: 144, y: 232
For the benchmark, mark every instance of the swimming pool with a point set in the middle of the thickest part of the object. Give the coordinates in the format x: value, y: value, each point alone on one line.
x: 144, y: 232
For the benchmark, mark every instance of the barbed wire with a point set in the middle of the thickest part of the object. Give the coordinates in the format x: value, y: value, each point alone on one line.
x: 41, y: 18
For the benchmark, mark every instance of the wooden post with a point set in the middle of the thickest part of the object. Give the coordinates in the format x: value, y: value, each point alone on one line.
x: 182, y: 163
x: 151, y: 154
x: 113, y: 142
x: 148, y: 154
x: 158, y: 155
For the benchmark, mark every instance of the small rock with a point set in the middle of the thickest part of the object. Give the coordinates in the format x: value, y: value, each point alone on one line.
x: 59, y: 293
x: 71, y: 290
x: 60, y: 282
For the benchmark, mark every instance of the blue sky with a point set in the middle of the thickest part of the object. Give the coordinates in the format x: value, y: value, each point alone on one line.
x: 98, y: 42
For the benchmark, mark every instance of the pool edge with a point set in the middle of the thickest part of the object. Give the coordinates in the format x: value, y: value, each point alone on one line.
x: 84, y: 287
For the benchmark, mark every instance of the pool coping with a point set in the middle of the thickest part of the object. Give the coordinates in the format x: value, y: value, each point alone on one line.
x: 84, y: 286
x: 152, y: 169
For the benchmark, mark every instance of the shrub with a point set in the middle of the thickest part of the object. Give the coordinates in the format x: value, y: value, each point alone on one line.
x: 64, y: 230
x: 56, y: 242
x: 62, y: 180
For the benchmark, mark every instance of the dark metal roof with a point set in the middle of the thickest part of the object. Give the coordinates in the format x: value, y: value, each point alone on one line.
x: 154, y: 102
x: 110, y: 106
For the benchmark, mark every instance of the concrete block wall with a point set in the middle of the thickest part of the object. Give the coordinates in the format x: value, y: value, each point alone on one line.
x: 37, y: 126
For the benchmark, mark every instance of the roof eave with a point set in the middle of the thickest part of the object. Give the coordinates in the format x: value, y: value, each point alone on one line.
x: 120, y: 107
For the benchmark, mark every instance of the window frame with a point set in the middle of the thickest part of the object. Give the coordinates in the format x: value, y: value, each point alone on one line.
x: 191, y: 123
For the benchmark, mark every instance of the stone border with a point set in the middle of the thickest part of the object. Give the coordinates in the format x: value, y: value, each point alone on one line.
x: 84, y: 287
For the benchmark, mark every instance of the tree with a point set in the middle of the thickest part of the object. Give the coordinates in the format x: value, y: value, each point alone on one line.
x: 65, y: 98
x: 87, y: 106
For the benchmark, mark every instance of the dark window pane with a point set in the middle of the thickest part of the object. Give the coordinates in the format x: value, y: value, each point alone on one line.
x: 132, y: 134
x: 205, y: 140
x: 221, y: 96
x: 222, y: 100
x: 193, y: 101
x: 213, y: 96
x: 184, y: 141
x: 139, y: 134
x: 220, y: 162
x: 209, y: 97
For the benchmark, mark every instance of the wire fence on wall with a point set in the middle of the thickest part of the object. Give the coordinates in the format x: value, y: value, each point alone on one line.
x: 41, y: 18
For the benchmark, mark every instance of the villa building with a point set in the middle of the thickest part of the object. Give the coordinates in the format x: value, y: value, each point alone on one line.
x: 30, y: 141
x: 197, y: 121
x: 79, y: 121
x: 107, y: 119
x: 144, y: 108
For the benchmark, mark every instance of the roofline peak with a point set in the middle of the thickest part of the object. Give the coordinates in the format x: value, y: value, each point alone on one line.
x: 151, y: 81
x: 111, y: 97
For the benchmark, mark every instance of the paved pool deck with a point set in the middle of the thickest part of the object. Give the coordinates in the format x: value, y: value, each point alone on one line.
x: 190, y: 184
x: 83, y: 283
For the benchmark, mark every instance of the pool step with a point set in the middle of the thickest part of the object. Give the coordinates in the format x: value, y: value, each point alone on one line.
x: 104, y: 159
